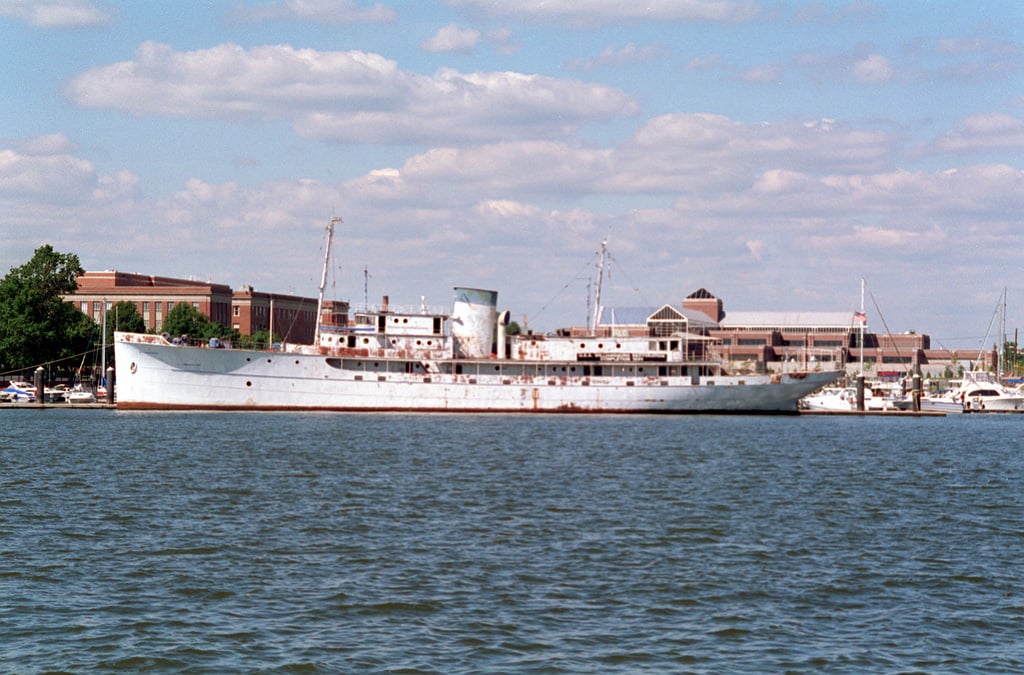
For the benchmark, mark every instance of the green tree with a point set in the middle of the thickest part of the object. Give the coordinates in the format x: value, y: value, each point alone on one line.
x: 261, y: 339
x: 36, y: 326
x: 185, y: 319
x: 122, y: 316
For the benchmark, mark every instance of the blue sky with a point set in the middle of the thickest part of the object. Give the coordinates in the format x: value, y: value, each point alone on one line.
x: 773, y: 152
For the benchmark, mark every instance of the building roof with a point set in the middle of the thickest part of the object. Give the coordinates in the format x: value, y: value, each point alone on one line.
x: 788, y: 320
x: 638, y: 316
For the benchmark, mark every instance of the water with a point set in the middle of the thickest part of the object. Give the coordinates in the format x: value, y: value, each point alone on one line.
x: 213, y: 543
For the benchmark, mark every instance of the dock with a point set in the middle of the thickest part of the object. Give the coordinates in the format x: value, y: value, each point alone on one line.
x: 876, y: 413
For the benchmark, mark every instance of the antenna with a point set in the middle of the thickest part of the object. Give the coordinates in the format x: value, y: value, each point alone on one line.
x: 366, y: 286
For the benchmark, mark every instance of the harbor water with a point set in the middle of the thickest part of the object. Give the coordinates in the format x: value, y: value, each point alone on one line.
x: 212, y: 543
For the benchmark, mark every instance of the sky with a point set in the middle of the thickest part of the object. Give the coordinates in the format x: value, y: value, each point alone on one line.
x: 775, y: 153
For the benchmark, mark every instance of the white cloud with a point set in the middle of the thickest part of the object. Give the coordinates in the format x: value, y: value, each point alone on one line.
x: 615, y: 56
x: 452, y: 38
x: 764, y: 73
x: 685, y: 153
x: 55, y: 13
x: 858, y: 11
x: 52, y: 178
x: 873, y: 69
x: 806, y: 205
x: 984, y: 132
x: 48, y: 144
x: 316, y: 11
x: 591, y: 12
x: 351, y: 96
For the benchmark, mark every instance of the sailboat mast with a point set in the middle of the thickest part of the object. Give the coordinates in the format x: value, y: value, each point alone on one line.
x: 863, y: 320
x: 323, y: 278
x: 600, y: 278
x: 1001, y: 354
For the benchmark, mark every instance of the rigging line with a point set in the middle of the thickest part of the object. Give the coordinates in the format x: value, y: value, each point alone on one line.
x: 582, y: 276
x: 888, y: 331
x: 19, y: 371
x: 632, y: 286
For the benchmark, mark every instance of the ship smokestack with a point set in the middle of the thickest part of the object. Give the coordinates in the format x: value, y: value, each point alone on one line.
x: 474, y: 317
x: 384, y: 304
x: 502, y: 341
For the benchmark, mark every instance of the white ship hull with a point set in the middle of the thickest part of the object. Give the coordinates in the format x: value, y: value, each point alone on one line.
x: 153, y: 374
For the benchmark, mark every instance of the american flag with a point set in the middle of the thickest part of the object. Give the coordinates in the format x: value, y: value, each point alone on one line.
x: 860, y: 317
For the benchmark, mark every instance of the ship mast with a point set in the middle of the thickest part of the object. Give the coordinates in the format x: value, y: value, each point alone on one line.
x: 600, y: 278
x: 323, y: 279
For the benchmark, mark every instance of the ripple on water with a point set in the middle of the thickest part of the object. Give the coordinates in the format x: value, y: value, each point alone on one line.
x: 345, y: 543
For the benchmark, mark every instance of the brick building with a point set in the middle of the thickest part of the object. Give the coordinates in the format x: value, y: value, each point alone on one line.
x: 246, y: 310
x: 153, y: 296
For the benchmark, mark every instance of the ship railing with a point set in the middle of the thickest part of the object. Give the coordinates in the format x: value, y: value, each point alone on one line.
x: 390, y: 308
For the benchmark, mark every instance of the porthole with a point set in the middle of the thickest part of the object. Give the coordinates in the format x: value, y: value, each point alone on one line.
x: 133, y: 367
x: 248, y: 383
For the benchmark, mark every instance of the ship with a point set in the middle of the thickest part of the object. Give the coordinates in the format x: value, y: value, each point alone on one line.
x: 460, y: 361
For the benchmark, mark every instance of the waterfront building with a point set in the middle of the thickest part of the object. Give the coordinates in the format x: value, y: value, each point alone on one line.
x: 246, y: 310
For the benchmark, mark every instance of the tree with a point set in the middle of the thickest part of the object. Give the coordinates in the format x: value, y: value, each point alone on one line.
x: 36, y: 326
x: 261, y: 339
x: 185, y: 319
x: 123, y: 316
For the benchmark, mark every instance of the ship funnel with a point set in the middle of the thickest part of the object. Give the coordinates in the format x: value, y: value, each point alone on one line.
x: 474, y: 316
x: 503, y: 320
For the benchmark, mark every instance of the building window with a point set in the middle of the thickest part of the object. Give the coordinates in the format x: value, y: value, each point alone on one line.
x: 85, y: 307
x: 170, y: 306
x: 195, y: 306
x: 237, y: 310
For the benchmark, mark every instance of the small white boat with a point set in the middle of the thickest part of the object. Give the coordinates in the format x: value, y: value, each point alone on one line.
x: 982, y: 392
x: 843, y: 399
x: 79, y: 394
x: 19, y: 391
